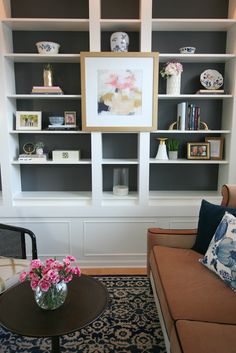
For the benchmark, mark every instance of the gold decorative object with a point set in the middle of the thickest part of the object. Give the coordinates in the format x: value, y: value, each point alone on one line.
x: 47, y: 76
x: 203, y: 126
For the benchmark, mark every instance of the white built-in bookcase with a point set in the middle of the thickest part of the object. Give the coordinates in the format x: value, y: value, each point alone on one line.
x: 154, y: 198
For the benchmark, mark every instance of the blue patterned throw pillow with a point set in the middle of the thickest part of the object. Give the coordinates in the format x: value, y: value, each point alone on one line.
x: 221, y: 253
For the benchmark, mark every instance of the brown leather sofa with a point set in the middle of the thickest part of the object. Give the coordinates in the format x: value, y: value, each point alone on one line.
x: 196, y: 308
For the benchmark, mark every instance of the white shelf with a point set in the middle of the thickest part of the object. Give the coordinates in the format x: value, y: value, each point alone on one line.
x: 195, y: 96
x: 44, y: 96
x: 184, y: 195
x: 197, y: 58
x: 193, y: 24
x: 120, y: 25
x: 46, y: 24
x: 53, y: 198
x: 41, y: 58
x: 191, y: 132
x: 49, y: 162
x: 75, y: 58
x: 187, y: 161
x: 119, y: 161
x: 48, y: 132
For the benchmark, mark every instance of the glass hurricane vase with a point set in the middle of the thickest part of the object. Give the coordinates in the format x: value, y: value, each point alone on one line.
x: 53, y: 298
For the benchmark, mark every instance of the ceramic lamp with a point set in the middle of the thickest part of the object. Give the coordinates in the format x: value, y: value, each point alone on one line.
x: 162, y: 152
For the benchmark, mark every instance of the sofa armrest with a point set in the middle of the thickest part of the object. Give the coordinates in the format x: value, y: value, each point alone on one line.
x: 175, y: 238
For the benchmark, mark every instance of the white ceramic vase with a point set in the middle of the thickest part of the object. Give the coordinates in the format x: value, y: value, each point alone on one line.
x: 173, y: 84
x: 119, y: 42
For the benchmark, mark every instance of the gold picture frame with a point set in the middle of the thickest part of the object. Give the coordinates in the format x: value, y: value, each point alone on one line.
x: 216, y: 147
x: 119, y: 91
x: 198, y: 150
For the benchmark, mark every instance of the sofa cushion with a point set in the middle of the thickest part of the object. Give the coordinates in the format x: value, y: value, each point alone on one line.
x: 204, y: 337
x: 221, y: 253
x: 192, y: 292
x: 10, y: 270
x: 210, y: 216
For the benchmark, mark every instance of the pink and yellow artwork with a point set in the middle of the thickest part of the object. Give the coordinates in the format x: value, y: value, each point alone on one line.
x: 119, y: 92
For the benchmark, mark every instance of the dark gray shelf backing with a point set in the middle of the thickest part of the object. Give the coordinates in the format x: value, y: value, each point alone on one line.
x: 183, y: 9
x: 70, y: 42
x: 134, y: 40
x: 182, y: 138
x: 204, y: 42
x: 211, y: 112
x: 190, y: 78
x: 52, y: 107
x: 108, y: 176
x: 55, y: 141
x: 120, y: 145
x: 67, y: 76
x: 174, y: 177
x: 50, y: 9
x: 56, y: 178
x: 126, y: 9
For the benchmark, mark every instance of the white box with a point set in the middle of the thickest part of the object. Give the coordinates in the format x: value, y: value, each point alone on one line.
x: 65, y: 156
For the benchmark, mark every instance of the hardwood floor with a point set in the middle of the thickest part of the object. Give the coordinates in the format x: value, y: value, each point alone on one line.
x: 114, y: 271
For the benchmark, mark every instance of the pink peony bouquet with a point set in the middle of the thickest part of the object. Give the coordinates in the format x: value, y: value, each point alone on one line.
x: 45, y: 275
x: 171, y: 68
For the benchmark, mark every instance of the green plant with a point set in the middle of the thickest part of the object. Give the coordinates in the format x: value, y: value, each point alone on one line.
x: 172, y: 144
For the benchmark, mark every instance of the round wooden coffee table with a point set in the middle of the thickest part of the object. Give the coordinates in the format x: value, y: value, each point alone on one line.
x: 86, y: 300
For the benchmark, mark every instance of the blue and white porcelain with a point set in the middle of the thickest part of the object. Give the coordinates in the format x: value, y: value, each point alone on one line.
x: 48, y: 47
x: 119, y: 42
x: 187, y: 50
x: 56, y: 120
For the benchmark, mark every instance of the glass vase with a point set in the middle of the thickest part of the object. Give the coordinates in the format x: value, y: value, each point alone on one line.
x: 53, y: 298
x: 120, y: 181
x: 173, y: 84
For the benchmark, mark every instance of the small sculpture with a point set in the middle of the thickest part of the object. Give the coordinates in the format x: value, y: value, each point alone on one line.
x: 48, y: 76
x: 162, y: 153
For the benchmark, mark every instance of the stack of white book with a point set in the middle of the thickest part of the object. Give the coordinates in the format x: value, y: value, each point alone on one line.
x: 32, y: 157
x: 210, y: 91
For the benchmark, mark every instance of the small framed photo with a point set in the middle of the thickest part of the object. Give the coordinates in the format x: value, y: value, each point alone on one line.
x: 198, y: 150
x: 28, y: 120
x: 216, y: 147
x: 70, y: 119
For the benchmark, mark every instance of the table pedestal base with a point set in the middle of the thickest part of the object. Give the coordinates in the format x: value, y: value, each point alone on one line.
x: 55, y: 344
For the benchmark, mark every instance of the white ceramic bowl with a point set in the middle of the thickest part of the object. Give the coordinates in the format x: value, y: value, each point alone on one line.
x: 56, y: 120
x: 187, y: 50
x: 47, y: 47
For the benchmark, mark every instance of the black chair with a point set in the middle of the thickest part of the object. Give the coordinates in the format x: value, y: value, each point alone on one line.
x: 13, y: 242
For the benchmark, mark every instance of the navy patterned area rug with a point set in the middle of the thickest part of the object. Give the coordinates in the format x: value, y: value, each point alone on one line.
x: 130, y: 324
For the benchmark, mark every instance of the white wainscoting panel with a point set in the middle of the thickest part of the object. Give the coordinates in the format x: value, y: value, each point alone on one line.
x: 115, y: 237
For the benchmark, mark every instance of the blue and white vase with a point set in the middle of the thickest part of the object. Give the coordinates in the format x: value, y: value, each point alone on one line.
x: 119, y: 42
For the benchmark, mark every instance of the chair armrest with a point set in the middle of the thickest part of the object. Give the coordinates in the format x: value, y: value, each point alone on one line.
x: 175, y: 238
x: 228, y: 192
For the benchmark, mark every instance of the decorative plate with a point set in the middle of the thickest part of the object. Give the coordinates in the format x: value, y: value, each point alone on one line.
x: 211, y: 79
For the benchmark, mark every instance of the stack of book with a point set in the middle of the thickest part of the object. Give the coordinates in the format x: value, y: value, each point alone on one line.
x: 210, y: 91
x: 33, y: 157
x: 46, y: 90
x: 188, y: 116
